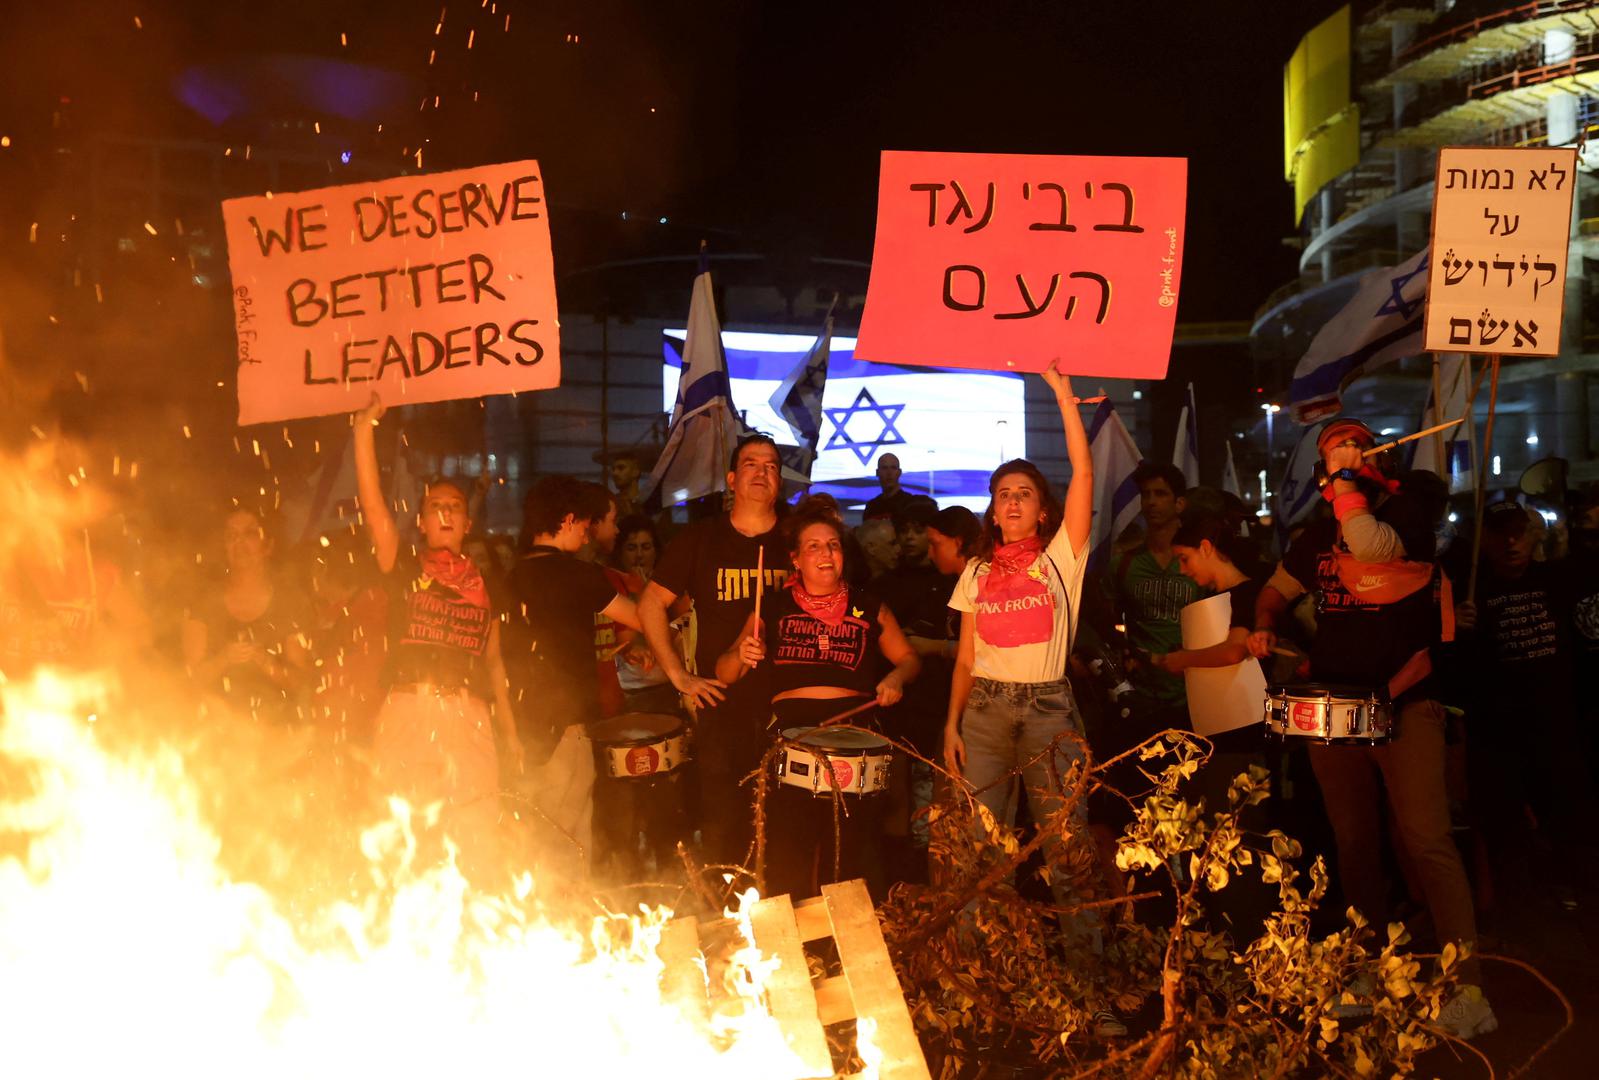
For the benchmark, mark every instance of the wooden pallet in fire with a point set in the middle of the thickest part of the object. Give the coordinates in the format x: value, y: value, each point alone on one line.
x: 865, y: 988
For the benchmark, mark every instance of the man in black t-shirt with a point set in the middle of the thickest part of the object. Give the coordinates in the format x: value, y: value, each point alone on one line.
x: 1525, y: 747
x: 555, y: 598
x: 933, y: 550
x: 917, y: 593
x: 1379, y: 614
x: 712, y: 565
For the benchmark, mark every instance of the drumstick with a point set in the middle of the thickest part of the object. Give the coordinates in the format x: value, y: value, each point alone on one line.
x: 1412, y: 438
x: 847, y: 713
x: 760, y: 584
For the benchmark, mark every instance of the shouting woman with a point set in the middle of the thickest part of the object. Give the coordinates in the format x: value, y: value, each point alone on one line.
x: 1010, y: 701
x: 445, y: 696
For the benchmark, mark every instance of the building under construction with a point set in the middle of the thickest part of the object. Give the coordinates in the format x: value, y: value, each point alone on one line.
x: 1370, y: 96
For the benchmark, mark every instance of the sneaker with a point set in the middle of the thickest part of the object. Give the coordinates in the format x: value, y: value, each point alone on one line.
x: 1467, y: 1014
x: 1362, y: 988
x: 1107, y: 1025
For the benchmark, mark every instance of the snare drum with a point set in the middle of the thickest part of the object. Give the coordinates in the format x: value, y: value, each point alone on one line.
x: 1329, y: 713
x: 635, y: 745
x: 860, y: 760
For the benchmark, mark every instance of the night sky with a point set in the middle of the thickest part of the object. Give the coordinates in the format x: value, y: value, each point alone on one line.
x: 769, y: 117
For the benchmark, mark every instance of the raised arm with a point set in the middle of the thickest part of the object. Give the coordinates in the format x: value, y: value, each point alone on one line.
x: 1080, y: 492
x: 380, y: 527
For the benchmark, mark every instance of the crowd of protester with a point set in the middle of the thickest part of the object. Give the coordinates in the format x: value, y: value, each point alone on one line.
x: 458, y: 662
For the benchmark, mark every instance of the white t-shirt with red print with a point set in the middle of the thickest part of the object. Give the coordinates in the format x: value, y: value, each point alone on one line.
x: 1025, y: 622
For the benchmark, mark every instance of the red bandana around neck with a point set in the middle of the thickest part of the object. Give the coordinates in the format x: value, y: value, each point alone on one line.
x: 456, y: 572
x: 829, y: 609
x: 1014, y: 605
x: 1017, y: 556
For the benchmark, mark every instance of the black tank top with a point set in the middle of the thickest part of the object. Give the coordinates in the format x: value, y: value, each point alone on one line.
x: 804, y: 651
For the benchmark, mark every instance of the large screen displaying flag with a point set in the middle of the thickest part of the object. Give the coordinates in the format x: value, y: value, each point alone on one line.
x: 949, y: 427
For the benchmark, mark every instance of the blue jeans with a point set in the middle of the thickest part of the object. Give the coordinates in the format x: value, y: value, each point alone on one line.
x: 1006, y: 726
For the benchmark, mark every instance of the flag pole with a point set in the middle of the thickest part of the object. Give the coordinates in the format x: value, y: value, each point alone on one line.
x: 1482, y: 475
x: 1438, y: 417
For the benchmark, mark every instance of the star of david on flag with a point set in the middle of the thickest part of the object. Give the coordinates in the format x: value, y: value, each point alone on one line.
x: 1381, y: 324
x: 864, y: 404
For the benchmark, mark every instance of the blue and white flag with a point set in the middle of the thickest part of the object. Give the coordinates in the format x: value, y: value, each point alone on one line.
x: 798, y: 401
x: 1185, y: 451
x: 1381, y: 324
x: 705, y: 425
x: 1457, y: 465
x: 1298, y: 494
x: 949, y: 428
x: 1116, y: 505
x: 1229, y: 473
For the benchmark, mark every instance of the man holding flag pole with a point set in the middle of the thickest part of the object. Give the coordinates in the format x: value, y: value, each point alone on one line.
x: 716, y: 565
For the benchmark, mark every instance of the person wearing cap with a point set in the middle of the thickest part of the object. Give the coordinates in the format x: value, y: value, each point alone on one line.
x: 1523, y: 745
x: 1382, y: 607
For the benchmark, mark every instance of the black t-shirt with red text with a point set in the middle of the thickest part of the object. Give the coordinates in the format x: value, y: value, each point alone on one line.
x: 439, y: 624
x: 1358, y: 641
x: 804, y: 651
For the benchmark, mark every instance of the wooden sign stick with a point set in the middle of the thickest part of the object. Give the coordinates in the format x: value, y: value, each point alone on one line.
x: 1482, y: 476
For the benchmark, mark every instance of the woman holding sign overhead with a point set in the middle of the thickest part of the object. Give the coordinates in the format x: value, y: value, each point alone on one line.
x: 446, y: 696
x: 1018, y: 598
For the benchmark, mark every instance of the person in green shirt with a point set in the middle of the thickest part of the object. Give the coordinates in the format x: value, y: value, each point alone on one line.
x: 1149, y: 590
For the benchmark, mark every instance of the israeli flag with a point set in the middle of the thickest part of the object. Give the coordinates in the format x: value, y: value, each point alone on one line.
x: 949, y: 427
x: 1185, y: 451
x: 799, y: 402
x: 1457, y: 465
x: 1229, y: 474
x: 1116, y: 458
x: 1298, y: 493
x: 705, y: 426
x: 1382, y: 323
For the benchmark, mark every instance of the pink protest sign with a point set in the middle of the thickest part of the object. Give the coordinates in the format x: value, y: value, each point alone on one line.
x: 1006, y: 261
x: 423, y: 288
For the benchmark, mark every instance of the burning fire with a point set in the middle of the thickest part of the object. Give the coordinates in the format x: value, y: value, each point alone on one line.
x: 128, y: 939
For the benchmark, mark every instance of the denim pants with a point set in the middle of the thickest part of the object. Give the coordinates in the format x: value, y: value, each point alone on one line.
x: 1005, y: 727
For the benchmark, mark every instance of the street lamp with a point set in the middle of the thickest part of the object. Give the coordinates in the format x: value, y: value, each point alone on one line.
x: 1271, y: 410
